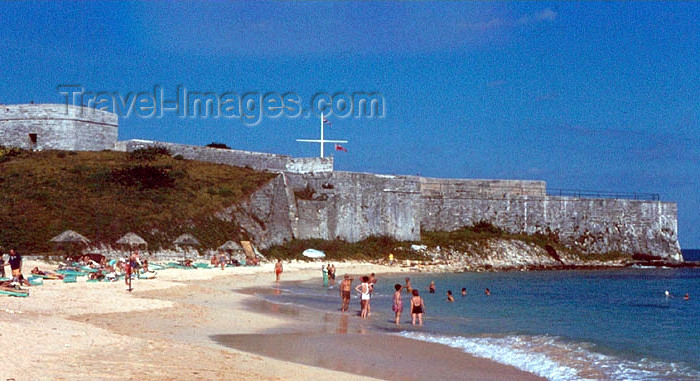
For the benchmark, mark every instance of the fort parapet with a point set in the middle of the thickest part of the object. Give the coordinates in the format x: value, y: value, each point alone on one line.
x: 255, y: 160
x: 57, y: 126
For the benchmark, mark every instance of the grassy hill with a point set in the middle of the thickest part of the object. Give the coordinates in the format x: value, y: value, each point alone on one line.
x: 104, y: 195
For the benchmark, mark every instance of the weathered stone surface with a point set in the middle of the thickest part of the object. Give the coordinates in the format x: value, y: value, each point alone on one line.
x: 354, y: 206
x: 255, y: 160
x: 57, y: 126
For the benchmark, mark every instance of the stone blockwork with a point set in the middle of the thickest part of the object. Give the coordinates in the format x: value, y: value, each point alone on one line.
x: 255, y: 160
x: 354, y: 206
x: 345, y: 205
x: 589, y: 225
x: 57, y: 126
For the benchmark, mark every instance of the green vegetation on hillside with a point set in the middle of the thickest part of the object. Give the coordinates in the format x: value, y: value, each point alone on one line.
x: 104, y: 195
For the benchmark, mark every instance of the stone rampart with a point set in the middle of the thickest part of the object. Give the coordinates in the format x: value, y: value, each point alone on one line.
x: 255, y: 160
x: 354, y: 206
x: 57, y: 126
x: 590, y: 225
x: 480, y: 189
x: 345, y: 205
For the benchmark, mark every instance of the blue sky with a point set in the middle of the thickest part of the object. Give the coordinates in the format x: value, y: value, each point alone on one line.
x: 597, y: 95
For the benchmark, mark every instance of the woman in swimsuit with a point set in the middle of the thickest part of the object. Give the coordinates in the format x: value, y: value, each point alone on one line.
x: 398, y: 303
x: 417, y: 308
x: 364, y: 289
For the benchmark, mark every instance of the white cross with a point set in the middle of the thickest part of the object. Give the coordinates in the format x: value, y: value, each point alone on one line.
x: 322, y: 141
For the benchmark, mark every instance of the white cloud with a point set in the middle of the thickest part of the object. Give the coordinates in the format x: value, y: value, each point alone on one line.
x: 495, y: 23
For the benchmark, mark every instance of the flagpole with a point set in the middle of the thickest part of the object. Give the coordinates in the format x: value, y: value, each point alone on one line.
x: 322, y: 141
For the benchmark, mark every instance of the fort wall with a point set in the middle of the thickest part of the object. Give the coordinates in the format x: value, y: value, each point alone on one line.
x: 255, y: 160
x: 355, y: 206
x: 57, y: 126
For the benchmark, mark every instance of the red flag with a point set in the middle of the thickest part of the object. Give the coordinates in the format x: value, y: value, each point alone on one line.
x: 338, y: 147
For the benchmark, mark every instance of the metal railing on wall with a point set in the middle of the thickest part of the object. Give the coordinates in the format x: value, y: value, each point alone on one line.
x: 581, y: 193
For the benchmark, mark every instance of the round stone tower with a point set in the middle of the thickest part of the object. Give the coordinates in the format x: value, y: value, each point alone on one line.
x: 57, y: 126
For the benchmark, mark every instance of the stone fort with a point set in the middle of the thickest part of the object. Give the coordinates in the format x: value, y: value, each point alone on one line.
x: 308, y: 199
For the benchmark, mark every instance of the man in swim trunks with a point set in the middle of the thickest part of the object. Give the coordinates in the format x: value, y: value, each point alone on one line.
x: 345, y: 287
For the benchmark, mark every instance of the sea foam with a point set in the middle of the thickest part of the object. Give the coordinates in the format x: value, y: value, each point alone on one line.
x: 555, y: 359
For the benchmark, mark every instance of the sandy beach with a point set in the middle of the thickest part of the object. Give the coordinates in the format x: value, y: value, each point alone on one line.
x: 205, y: 324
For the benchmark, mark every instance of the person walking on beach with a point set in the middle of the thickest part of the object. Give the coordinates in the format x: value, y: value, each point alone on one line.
x: 417, y: 308
x: 345, y: 287
x: 278, y: 270
x: 222, y: 260
x: 397, y: 306
x: 127, y: 277
x: 364, y: 289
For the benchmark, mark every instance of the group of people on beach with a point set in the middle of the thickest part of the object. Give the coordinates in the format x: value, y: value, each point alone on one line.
x: 366, y: 288
x: 328, y: 272
x: 222, y: 260
x: 100, y: 270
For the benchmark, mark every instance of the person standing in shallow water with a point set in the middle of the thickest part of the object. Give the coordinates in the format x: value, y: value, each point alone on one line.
x: 431, y: 288
x: 278, y: 270
x: 364, y: 289
x: 397, y: 306
x: 417, y: 308
x: 345, y: 287
x: 324, y: 270
x: 331, y: 274
x: 408, y: 287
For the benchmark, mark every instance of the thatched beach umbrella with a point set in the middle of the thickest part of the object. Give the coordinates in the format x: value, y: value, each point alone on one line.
x: 230, y: 246
x: 132, y: 240
x: 70, y: 236
x: 69, y: 239
x: 186, y: 240
x: 234, y: 250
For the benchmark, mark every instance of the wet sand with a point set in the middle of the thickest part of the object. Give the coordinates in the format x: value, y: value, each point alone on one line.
x: 385, y: 357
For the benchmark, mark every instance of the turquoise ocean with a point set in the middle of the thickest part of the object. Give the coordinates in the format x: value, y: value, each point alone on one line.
x: 563, y: 325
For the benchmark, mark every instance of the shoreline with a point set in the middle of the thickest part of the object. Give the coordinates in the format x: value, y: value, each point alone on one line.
x: 164, y: 329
